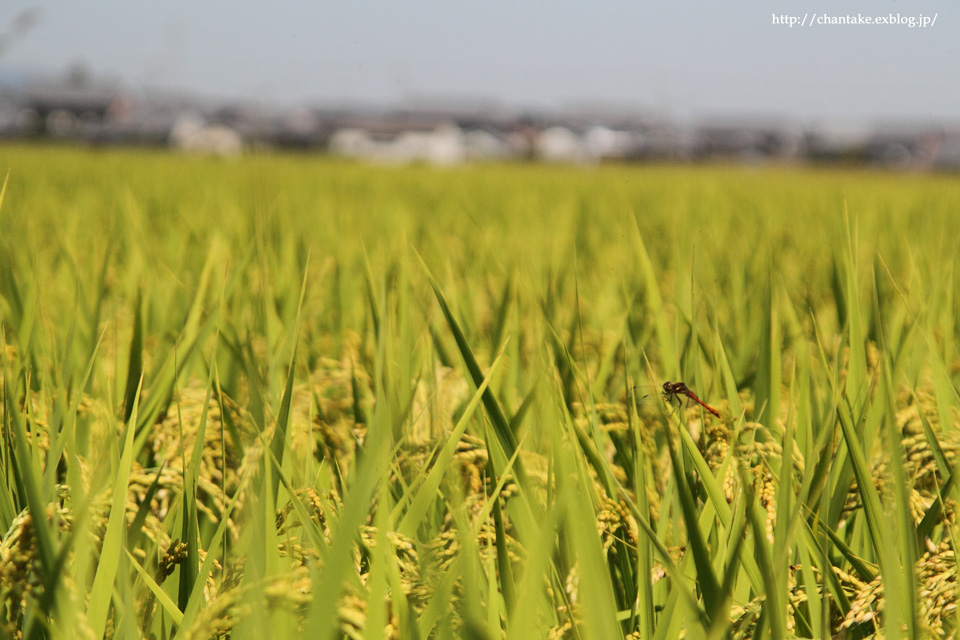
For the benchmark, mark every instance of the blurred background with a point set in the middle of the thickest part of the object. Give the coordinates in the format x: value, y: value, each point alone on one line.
x: 753, y: 81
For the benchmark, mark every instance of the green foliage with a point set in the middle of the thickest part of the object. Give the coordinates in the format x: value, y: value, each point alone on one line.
x: 281, y: 396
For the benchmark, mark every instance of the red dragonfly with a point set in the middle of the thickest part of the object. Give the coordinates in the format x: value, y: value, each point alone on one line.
x: 672, y: 390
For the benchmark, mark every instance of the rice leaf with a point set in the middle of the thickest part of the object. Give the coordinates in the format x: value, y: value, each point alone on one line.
x: 103, y: 584
x: 501, y: 426
x: 135, y: 359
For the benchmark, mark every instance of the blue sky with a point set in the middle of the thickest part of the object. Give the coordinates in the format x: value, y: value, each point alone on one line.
x: 683, y: 59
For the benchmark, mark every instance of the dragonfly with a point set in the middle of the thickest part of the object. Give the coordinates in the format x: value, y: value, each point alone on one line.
x: 672, y: 391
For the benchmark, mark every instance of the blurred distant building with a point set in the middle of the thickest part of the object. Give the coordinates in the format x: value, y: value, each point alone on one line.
x: 63, y: 112
x: 903, y: 147
x: 433, y: 137
x: 443, y: 145
x: 894, y: 146
x: 300, y: 129
x: 946, y: 154
x: 561, y: 144
x: 836, y: 142
x: 746, y: 141
x: 192, y: 133
x: 599, y: 139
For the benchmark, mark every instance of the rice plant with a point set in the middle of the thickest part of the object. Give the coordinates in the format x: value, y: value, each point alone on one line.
x: 282, y: 396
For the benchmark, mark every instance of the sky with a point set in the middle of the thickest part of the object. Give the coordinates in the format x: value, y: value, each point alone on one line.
x: 682, y: 59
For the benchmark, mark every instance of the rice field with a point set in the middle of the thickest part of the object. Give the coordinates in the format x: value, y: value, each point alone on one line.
x: 284, y: 396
